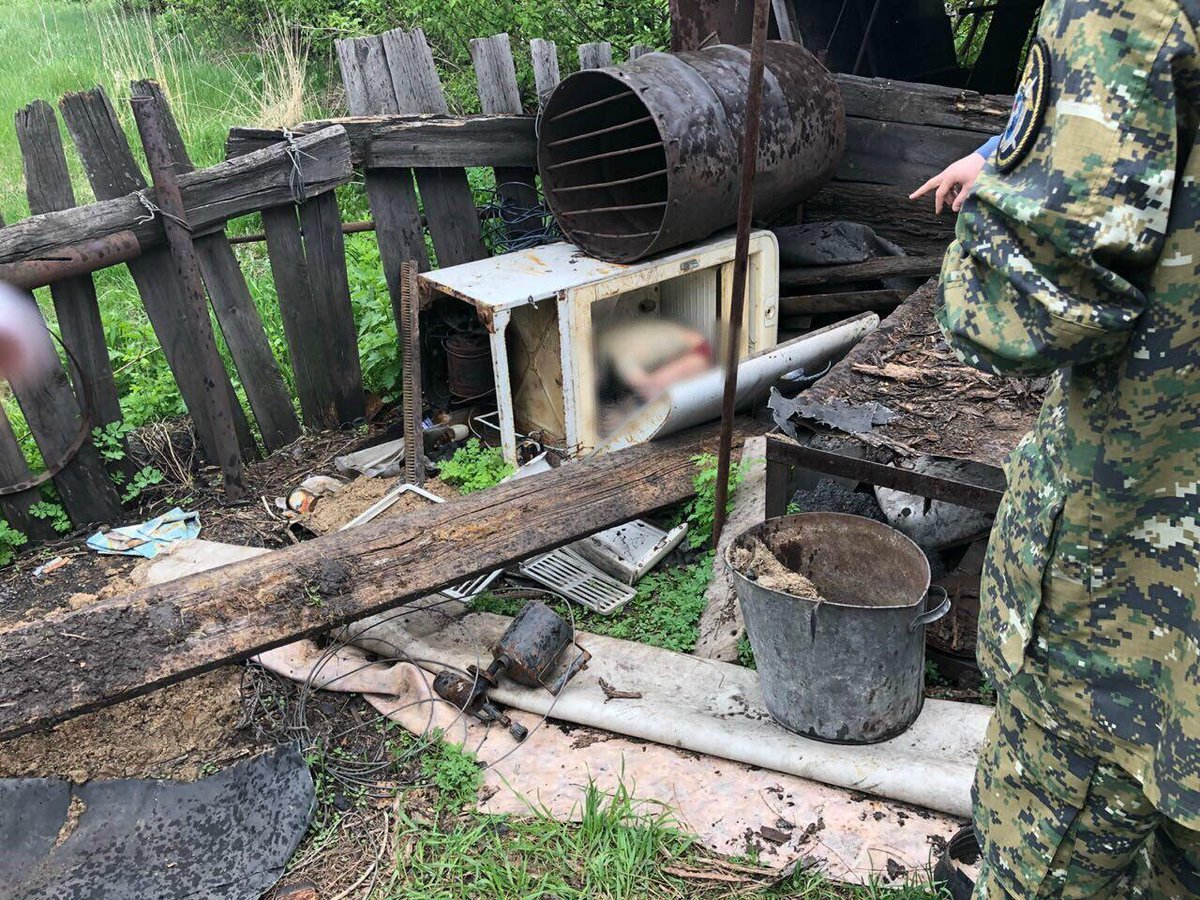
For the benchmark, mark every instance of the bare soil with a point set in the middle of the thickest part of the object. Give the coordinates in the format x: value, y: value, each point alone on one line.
x: 756, y: 561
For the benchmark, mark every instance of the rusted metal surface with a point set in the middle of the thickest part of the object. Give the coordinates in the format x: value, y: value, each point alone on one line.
x: 409, y: 320
x: 741, y: 253
x: 642, y: 157
x: 469, y: 366
x: 72, y: 261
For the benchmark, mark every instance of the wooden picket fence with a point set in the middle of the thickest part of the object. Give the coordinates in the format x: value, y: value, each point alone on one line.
x: 413, y: 155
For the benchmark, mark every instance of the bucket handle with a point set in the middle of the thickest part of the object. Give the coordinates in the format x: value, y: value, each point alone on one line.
x: 932, y: 615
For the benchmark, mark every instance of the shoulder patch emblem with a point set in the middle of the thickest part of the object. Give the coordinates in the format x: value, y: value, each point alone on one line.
x: 1029, y: 109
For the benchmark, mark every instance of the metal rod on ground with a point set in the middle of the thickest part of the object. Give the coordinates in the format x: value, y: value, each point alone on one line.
x: 149, y: 113
x: 410, y: 313
x: 762, y: 9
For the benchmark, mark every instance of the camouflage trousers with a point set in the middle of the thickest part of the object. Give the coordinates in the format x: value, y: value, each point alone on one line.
x: 1056, y: 822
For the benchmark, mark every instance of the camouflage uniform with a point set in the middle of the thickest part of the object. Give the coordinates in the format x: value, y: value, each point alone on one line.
x: 1082, y: 260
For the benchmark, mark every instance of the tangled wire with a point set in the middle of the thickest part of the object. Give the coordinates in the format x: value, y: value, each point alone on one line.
x: 514, y: 219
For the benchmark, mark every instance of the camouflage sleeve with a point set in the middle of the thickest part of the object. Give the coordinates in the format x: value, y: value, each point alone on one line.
x: 1050, y: 253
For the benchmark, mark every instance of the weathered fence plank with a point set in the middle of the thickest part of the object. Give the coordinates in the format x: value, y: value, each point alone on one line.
x: 325, y: 251
x: 403, y: 142
x: 150, y: 113
x: 639, y: 50
x: 13, y: 470
x: 213, y: 195
x: 496, y: 84
x: 390, y: 191
x: 595, y: 56
x: 134, y: 643
x: 302, y: 325
x: 114, y: 173
x: 236, y: 313
x: 545, y: 68
x: 48, y: 187
x: 449, y: 205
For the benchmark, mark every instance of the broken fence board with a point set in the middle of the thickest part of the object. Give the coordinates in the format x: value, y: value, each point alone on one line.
x: 449, y: 204
x: 74, y: 662
x: 595, y: 56
x: 113, y: 173
x: 390, y: 191
x: 496, y: 84
x: 237, y: 315
x: 545, y: 68
x: 48, y: 187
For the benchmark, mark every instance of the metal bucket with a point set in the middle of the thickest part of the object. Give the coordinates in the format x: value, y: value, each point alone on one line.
x: 469, y: 365
x: 645, y: 156
x: 850, y: 667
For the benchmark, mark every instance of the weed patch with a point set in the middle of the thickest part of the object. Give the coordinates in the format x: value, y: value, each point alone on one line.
x: 474, y: 467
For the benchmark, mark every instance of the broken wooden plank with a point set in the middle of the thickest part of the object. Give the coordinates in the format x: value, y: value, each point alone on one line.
x: 639, y: 50
x: 496, y: 84
x: 413, y: 141
x: 901, y: 154
x: 595, y: 56
x: 871, y: 269
x: 545, y: 68
x: 449, y: 204
x: 924, y: 104
x: 150, y: 113
x: 231, y: 188
x: 844, y: 301
x: 48, y: 187
x: 237, y: 315
x: 73, y: 662
x: 114, y: 173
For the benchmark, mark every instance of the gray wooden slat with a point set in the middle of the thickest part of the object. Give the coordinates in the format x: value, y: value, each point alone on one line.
x: 54, y: 418
x: 639, y: 50
x: 785, y: 21
x: 302, y: 325
x: 595, y: 56
x: 449, y: 205
x: 113, y: 172
x: 14, y: 508
x: 496, y: 84
x: 545, y: 68
x: 325, y: 252
x: 236, y: 313
x: 48, y: 187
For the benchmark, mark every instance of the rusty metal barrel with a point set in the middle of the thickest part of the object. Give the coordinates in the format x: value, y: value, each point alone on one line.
x: 638, y: 158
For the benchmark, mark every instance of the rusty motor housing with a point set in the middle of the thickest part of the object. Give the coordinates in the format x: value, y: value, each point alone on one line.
x: 639, y: 158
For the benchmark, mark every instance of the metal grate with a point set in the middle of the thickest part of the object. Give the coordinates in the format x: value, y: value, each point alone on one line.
x: 568, y: 573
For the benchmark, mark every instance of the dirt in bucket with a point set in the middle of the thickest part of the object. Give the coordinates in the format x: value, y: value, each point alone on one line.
x: 756, y: 560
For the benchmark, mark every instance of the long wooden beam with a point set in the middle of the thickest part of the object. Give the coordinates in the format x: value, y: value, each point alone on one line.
x: 74, y: 662
x: 416, y: 141
x: 211, y: 196
x: 868, y: 270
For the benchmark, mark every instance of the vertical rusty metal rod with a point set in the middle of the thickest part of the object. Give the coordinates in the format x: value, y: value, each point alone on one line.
x: 741, y: 254
x: 149, y: 115
x: 414, y: 433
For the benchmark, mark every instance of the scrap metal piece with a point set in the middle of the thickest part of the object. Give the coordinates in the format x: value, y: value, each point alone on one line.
x: 565, y: 571
x: 410, y: 325
x: 852, y: 418
x: 629, y: 551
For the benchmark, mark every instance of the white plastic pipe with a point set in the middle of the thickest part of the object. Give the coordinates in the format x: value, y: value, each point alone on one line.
x: 698, y: 400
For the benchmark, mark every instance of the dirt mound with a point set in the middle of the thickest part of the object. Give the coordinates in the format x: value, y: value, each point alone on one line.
x: 757, y: 562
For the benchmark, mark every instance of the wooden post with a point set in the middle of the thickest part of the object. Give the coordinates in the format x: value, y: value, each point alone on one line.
x: 238, y: 316
x: 639, y: 50
x: 150, y: 117
x: 113, y: 172
x: 499, y: 93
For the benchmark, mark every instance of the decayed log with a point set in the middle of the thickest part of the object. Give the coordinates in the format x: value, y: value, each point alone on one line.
x: 70, y: 663
x: 923, y: 104
x: 415, y: 141
x: 845, y: 301
x: 880, y: 267
x: 211, y: 196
